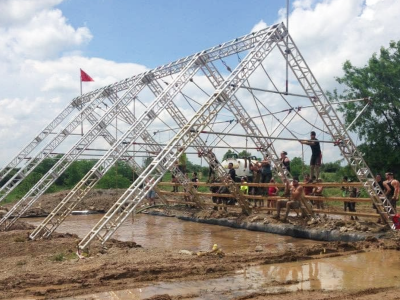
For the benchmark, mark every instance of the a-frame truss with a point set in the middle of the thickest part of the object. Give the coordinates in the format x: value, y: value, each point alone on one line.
x: 134, y: 195
x: 122, y: 208
x: 239, y: 44
x: 336, y: 128
x: 261, y: 44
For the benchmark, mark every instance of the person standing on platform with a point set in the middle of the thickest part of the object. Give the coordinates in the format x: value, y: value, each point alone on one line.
x: 195, y: 180
x: 244, y: 188
x: 392, y: 189
x: 232, y: 172
x: 285, y: 161
x: 316, y: 154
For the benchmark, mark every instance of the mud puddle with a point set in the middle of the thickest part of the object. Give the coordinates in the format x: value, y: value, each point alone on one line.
x: 174, y: 234
x: 347, y: 273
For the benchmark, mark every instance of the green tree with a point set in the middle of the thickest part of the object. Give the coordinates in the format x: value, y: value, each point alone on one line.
x: 227, y: 154
x: 379, y: 125
x: 297, y: 167
x: 331, y: 167
x: 244, y: 153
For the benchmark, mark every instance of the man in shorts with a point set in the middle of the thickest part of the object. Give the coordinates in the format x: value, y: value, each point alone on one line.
x: 296, y: 193
x: 392, y: 188
x: 316, y: 154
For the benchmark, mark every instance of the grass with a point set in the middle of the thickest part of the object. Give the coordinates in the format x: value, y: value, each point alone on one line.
x: 64, y: 256
x: 21, y: 263
x: 20, y: 239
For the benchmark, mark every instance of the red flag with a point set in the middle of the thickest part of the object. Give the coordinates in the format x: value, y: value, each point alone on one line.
x: 85, y: 77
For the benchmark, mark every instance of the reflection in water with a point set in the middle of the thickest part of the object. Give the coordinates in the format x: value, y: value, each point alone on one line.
x: 171, y: 233
x: 354, y: 272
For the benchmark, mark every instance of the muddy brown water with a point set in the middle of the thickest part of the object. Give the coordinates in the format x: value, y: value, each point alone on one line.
x: 348, y: 273
x: 353, y: 272
x: 174, y: 234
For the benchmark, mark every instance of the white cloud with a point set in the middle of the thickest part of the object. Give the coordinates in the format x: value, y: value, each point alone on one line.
x: 17, y: 12
x: 39, y: 66
x: 328, y: 33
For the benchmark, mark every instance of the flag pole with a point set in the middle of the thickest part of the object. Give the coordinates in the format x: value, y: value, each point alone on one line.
x: 80, y: 77
x: 84, y: 77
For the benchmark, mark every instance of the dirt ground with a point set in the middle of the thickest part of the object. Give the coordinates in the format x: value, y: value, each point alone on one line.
x: 48, y: 269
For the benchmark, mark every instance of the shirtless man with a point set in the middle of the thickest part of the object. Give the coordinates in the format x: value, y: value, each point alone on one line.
x: 392, y: 188
x: 296, y: 192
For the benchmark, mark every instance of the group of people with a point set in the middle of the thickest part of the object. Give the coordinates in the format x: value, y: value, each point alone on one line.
x: 262, y: 173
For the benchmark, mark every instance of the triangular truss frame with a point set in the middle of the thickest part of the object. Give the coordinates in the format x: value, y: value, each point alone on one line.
x: 259, y: 45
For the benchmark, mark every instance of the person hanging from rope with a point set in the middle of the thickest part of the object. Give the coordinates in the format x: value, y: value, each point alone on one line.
x: 225, y: 190
x: 151, y: 194
x: 316, y: 154
x: 345, y: 193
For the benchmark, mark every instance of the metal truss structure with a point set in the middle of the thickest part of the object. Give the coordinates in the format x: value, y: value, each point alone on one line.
x: 94, y: 99
x: 257, y: 46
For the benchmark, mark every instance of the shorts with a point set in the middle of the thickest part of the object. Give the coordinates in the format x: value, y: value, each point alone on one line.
x: 316, y: 160
x: 151, y: 194
x: 294, y: 204
x: 393, y: 202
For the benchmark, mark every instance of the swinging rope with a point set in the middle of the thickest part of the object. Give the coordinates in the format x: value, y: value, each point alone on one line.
x: 276, y: 88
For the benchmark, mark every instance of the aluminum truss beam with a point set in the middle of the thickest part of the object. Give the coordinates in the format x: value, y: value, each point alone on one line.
x: 237, y: 45
x: 234, y: 46
x: 100, y: 127
x: 76, y: 195
x: 335, y: 127
x: 37, y: 140
x: 264, y: 145
x: 34, y: 161
x: 137, y: 129
x: 117, y: 214
x: 201, y: 147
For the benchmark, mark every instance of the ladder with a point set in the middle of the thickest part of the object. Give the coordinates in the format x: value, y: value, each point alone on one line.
x: 110, y: 222
x: 335, y: 127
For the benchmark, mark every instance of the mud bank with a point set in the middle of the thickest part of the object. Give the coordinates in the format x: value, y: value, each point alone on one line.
x: 292, y: 230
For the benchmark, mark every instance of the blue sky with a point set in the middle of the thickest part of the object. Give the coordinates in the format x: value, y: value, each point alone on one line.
x: 156, y: 32
x: 44, y: 43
